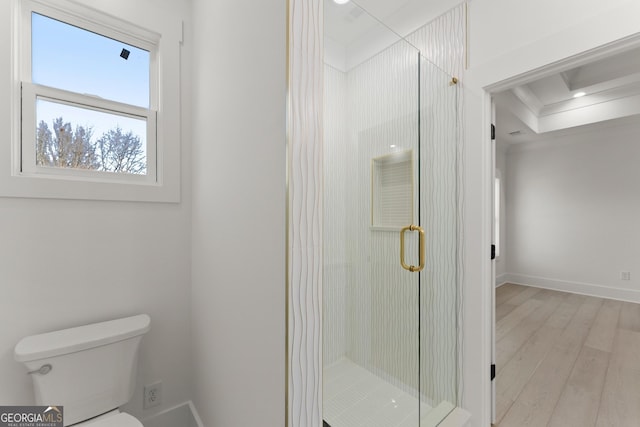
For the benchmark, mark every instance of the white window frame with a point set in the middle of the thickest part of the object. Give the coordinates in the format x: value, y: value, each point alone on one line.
x: 161, y: 183
x: 31, y: 92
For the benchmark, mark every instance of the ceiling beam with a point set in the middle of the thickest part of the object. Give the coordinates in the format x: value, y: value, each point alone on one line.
x: 619, y: 108
x: 528, y: 98
x: 511, y: 102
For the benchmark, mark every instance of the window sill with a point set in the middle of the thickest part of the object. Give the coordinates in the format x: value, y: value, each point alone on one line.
x: 45, y: 187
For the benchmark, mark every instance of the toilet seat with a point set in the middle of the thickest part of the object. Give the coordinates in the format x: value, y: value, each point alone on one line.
x: 118, y: 419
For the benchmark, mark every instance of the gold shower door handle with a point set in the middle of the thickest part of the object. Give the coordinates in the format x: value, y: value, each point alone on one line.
x: 419, y: 229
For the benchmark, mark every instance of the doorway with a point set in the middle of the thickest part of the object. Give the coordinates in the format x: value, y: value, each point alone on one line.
x: 560, y: 107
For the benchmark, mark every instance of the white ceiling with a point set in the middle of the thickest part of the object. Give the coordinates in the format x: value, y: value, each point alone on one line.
x: 406, y: 16
x: 529, y: 112
x: 346, y: 23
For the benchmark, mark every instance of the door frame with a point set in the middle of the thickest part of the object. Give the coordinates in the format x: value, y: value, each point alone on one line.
x: 488, y: 118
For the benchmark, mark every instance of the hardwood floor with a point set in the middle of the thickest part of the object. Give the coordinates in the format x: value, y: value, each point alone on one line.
x: 565, y: 359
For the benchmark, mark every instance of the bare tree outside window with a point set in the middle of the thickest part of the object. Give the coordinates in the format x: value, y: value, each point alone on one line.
x: 68, y: 147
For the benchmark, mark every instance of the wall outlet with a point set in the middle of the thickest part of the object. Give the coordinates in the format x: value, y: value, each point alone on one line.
x: 625, y: 275
x: 152, y: 395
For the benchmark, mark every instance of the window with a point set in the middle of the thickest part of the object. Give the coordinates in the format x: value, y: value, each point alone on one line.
x: 92, y: 118
x: 86, y: 105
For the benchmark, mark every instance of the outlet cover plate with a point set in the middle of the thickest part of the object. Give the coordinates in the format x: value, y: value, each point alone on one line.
x: 152, y: 395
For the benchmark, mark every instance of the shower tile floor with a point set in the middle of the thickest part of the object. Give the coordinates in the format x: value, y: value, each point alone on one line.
x: 355, y: 397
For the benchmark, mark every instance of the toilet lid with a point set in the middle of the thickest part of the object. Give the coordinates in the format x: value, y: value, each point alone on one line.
x: 121, y: 419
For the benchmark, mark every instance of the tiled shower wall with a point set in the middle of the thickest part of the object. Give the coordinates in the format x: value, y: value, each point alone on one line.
x: 370, y: 308
x: 382, y: 317
x: 442, y: 41
x: 336, y: 268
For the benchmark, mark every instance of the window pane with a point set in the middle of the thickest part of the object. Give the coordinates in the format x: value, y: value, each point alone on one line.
x: 73, y: 59
x: 81, y: 138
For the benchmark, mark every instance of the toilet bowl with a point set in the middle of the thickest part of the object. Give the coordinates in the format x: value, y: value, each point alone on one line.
x: 89, y: 370
x: 114, y: 418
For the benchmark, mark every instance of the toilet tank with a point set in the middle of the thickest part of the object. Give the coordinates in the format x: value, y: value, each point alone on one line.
x: 93, y: 367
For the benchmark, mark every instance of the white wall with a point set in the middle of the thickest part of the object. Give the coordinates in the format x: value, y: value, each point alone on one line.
x: 506, y: 39
x: 239, y: 213
x: 65, y: 263
x: 518, y: 23
x: 509, y: 38
x: 573, y: 211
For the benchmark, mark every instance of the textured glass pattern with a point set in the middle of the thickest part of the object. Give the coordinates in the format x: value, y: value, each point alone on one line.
x: 304, y: 237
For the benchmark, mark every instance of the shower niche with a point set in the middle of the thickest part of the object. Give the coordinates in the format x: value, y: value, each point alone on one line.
x: 392, y: 190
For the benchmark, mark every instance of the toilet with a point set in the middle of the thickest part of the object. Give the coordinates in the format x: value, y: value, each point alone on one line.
x: 89, y: 370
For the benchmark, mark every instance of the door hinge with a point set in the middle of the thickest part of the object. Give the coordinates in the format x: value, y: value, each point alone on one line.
x: 493, y: 252
x: 493, y: 132
x: 493, y: 371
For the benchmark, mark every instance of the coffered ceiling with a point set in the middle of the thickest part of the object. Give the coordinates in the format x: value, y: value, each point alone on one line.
x: 598, y: 92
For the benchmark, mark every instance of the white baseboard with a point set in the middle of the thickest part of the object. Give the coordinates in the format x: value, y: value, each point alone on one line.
x: 590, y: 289
x: 502, y: 279
x: 182, y: 415
x: 195, y: 417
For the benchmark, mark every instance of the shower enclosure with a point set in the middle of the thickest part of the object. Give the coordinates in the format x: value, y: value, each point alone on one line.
x: 390, y: 273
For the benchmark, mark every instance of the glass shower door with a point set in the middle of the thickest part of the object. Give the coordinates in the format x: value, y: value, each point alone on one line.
x: 371, y: 159
x: 388, y: 359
